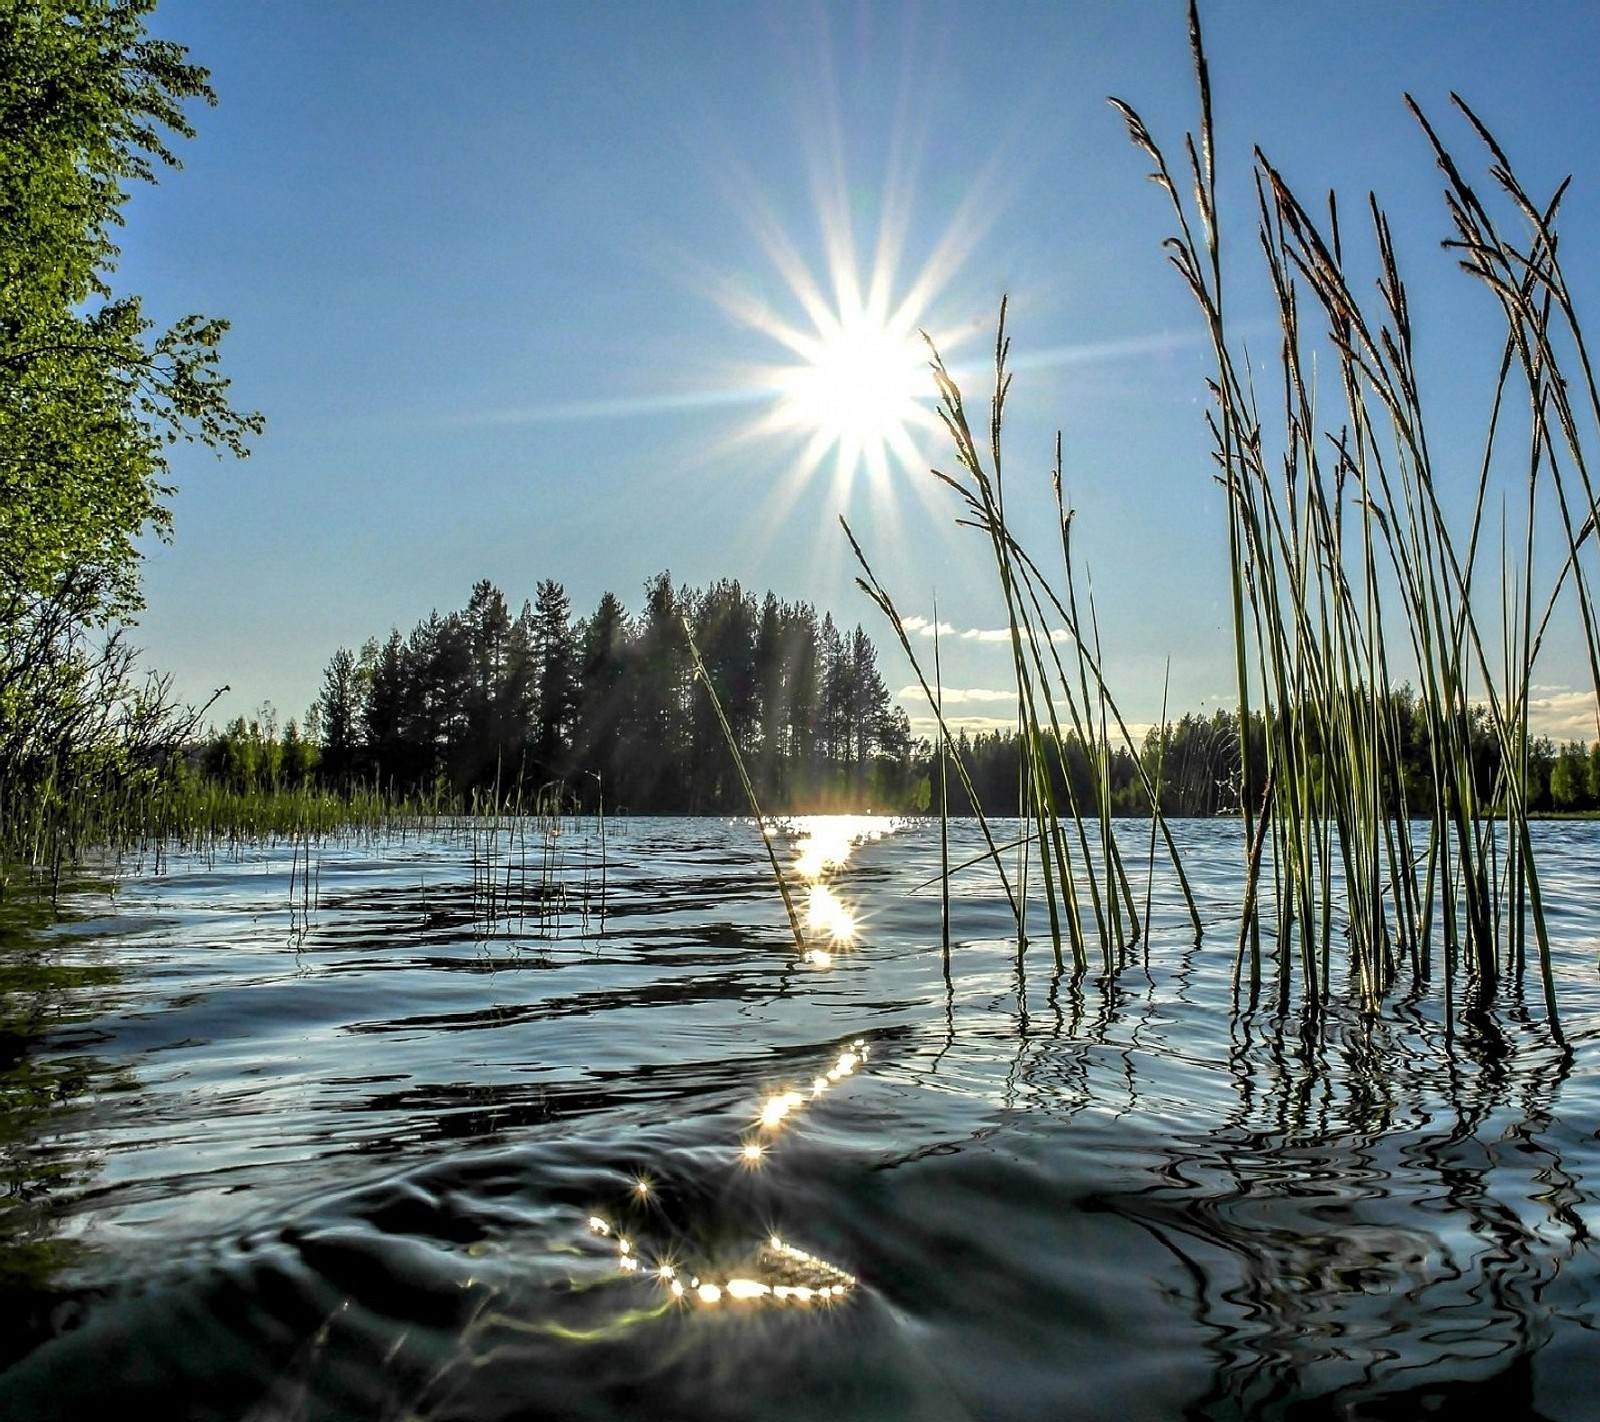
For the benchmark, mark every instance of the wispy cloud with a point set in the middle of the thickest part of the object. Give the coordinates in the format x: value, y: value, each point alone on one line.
x: 927, y: 727
x: 957, y: 716
x: 621, y: 407
x: 923, y: 627
x: 958, y: 695
x: 1103, y: 352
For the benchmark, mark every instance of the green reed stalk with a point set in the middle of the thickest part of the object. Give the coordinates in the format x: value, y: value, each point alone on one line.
x: 1045, y: 602
x: 1060, y: 710
x: 1155, y: 800
x: 1037, y: 747
x: 944, y: 795
x: 870, y: 585
x: 1342, y: 546
x: 749, y: 789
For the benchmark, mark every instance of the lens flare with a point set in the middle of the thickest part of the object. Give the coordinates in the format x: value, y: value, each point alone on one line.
x: 861, y: 388
x: 851, y: 383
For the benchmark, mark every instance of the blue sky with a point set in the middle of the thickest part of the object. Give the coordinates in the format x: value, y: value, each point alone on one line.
x: 505, y: 280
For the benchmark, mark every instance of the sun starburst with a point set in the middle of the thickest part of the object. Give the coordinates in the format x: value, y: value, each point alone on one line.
x: 852, y: 391
x: 859, y: 390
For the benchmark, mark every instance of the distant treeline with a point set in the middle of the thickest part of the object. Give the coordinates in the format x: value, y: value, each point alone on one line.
x: 486, y: 707
x: 480, y: 707
x: 1197, y: 764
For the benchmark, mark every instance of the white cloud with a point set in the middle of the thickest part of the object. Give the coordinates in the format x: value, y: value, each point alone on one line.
x: 1562, y: 714
x: 1003, y: 634
x: 922, y: 627
x: 927, y: 727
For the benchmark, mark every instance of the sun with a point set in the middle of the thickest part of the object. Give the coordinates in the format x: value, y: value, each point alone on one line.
x: 861, y: 390
x: 851, y: 386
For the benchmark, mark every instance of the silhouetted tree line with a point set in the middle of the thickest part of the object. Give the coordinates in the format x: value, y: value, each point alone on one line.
x: 483, y: 704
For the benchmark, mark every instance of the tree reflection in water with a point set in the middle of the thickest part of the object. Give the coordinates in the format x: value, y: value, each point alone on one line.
x: 50, y: 990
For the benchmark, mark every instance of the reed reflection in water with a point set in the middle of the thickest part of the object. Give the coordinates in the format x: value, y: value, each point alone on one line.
x: 377, y: 1154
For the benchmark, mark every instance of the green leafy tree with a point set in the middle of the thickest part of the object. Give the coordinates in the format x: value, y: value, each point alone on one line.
x: 92, y: 395
x: 1569, y: 778
x: 299, y: 757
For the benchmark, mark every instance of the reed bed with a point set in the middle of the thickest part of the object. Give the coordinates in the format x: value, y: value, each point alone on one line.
x: 1353, y: 569
x: 522, y: 878
x: 1352, y: 565
x: 47, y: 829
x: 531, y: 869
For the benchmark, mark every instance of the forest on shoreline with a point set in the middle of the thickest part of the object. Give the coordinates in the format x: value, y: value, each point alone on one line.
x: 482, y: 709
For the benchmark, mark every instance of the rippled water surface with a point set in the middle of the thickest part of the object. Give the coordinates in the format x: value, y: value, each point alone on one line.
x: 521, y: 1125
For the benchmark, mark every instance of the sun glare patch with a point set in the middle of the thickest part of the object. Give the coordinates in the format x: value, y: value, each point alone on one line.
x: 776, y: 1271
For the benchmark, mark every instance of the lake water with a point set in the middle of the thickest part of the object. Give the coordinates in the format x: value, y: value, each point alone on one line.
x: 526, y: 1125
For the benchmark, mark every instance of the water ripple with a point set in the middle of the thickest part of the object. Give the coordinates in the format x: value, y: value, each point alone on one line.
x: 364, y: 1135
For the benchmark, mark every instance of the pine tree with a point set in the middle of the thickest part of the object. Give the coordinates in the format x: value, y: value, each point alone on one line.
x: 338, y: 708
x: 603, y: 710
x: 555, y: 651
